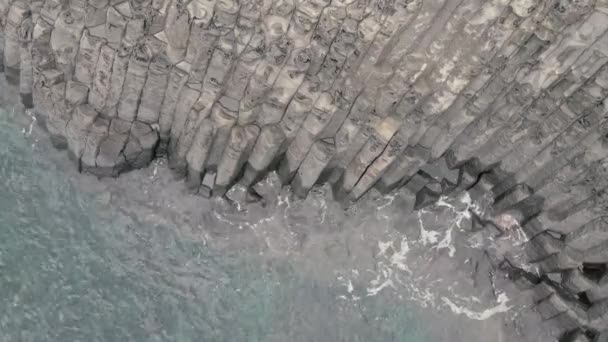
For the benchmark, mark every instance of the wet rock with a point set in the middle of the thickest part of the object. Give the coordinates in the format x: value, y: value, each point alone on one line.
x: 239, y: 146
x: 110, y: 160
x: 425, y: 197
x: 177, y: 161
x: 197, y: 156
x: 77, y: 130
x: 177, y: 80
x: 139, y: 150
x: 403, y: 168
x: 96, y: 134
x: 312, y: 167
x: 266, y: 147
x: 208, y: 184
x: 576, y: 281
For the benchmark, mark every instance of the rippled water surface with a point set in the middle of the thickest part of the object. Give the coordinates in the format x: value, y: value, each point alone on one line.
x: 120, y: 260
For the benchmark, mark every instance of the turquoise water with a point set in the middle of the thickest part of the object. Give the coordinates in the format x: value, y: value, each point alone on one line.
x: 69, y: 272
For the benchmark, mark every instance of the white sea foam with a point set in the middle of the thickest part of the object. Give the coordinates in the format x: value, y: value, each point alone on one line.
x: 398, y: 259
x: 383, y: 280
x: 426, y: 237
x: 479, y: 315
x: 465, y: 213
x: 396, y: 271
x: 28, y: 132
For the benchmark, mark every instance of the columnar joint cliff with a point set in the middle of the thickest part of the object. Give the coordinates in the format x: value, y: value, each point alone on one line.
x: 503, y: 98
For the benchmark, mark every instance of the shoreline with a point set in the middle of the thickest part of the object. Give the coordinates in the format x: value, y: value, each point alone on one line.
x: 383, y: 250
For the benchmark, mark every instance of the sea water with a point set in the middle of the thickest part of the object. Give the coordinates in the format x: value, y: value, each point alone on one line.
x: 135, y: 259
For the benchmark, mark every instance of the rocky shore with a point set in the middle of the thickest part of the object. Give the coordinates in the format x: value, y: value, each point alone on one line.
x: 503, y: 99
